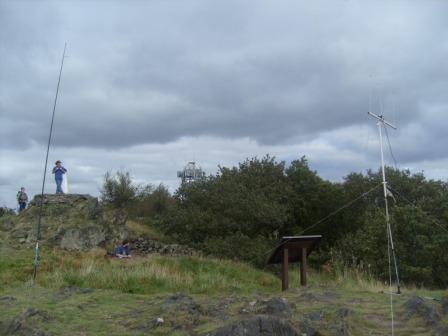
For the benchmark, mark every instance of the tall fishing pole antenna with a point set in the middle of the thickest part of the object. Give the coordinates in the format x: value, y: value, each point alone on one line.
x: 384, y: 123
x: 36, y: 258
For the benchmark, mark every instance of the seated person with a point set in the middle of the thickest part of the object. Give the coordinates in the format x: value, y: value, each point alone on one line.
x: 122, y: 250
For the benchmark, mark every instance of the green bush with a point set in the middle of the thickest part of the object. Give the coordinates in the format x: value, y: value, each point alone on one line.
x: 118, y: 190
x: 242, y: 211
x: 140, y: 201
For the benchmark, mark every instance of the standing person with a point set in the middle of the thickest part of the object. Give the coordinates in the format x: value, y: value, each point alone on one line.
x: 22, y: 198
x: 59, y: 172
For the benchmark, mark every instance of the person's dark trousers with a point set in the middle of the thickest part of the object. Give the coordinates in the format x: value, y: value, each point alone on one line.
x: 58, y: 186
x: 22, y: 206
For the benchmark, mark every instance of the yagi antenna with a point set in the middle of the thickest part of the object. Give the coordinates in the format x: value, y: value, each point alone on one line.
x: 383, y: 123
x: 381, y: 119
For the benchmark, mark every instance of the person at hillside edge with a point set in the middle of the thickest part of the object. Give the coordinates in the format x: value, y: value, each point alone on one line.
x: 122, y: 250
x: 59, y: 172
x: 22, y: 198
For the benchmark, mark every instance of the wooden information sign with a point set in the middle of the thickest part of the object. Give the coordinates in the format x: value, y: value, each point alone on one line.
x: 294, y: 249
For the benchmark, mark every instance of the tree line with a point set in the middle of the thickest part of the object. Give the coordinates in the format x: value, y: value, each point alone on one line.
x: 242, y: 211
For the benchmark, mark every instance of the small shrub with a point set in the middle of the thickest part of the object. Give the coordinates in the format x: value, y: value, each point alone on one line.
x: 119, y: 190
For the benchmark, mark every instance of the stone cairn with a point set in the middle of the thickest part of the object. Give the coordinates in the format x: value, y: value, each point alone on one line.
x: 143, y: 246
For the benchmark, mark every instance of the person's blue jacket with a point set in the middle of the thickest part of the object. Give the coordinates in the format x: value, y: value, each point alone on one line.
x: 58, y: 172
x: 121, y: 249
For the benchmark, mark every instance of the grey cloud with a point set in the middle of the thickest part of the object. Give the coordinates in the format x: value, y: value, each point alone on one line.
x: 274, y: 72
x: 227, y: 78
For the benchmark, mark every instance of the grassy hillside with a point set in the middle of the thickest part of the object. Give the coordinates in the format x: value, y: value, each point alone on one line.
x: 143, y: 275
x: 85, y: 293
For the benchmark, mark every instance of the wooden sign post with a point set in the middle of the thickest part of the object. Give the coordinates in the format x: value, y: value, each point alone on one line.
x: 294, y: 249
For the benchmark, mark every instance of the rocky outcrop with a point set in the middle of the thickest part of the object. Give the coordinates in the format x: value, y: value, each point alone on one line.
x: 260, y: 325
x: 419, y: 307
x: 416, y: 306
x: 70, y: 221
x: 24, y: 324
x: 79, y: 222
x: 83, y: 238
x: 63, y: 204
x: 277, y: 307
x: 66, y: 292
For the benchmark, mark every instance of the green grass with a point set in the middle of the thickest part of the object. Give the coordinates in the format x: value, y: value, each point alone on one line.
x: 129, y: 293
x: 154, y: 274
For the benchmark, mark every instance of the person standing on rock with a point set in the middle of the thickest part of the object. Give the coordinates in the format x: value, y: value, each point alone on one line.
x: 22, y: 199
x: 59, y: 172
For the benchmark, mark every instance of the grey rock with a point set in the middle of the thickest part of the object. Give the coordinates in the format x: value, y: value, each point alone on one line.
x: 341, y: 325
x: 179, y: 302
x: 7, y: 298
x: 442, y: 330
x: 307, y: 328
x: 148, y: 246
x: 19, y: 233
x: 114, y: 218
x: 324, y: 297
x: 341, y: 329
x: 58, y: 199
x: 70, y: 221
x: 67, y: 291
x: 258, y: 326
x: 83, y: 238
x: 22, y: 324
x: 176, y: 298
x: 315, y: 315
x: 278, y: 307
x: 60, y: 205
x: 416, y: 306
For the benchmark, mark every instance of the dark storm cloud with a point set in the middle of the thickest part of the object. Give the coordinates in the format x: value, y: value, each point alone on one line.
x: 153, y: 72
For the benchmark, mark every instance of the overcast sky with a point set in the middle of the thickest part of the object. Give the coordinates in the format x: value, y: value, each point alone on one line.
x: 150, y: 85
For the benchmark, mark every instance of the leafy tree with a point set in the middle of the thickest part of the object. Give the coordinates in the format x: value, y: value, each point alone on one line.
x: 242, y: 211
x: 250, y: 200
x: 119, y: 190
x: 311, y: 199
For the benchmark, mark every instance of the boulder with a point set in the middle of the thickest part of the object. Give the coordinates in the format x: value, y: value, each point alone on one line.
x: 62, y: 204
x: 70, y: 221
x: 277, y: 306
x: 307, y: 328
x: 67, y: 291
x: 180, y: 303
x: 7, y: 298
x: 258, y: 326
x: 416, y: 306
x: 148, y: 246
x: 83, y: 238
x: 23, y: 324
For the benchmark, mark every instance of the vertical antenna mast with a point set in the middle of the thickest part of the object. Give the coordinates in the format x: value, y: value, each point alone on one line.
x: 39, y: 221
x: 383, y: 123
